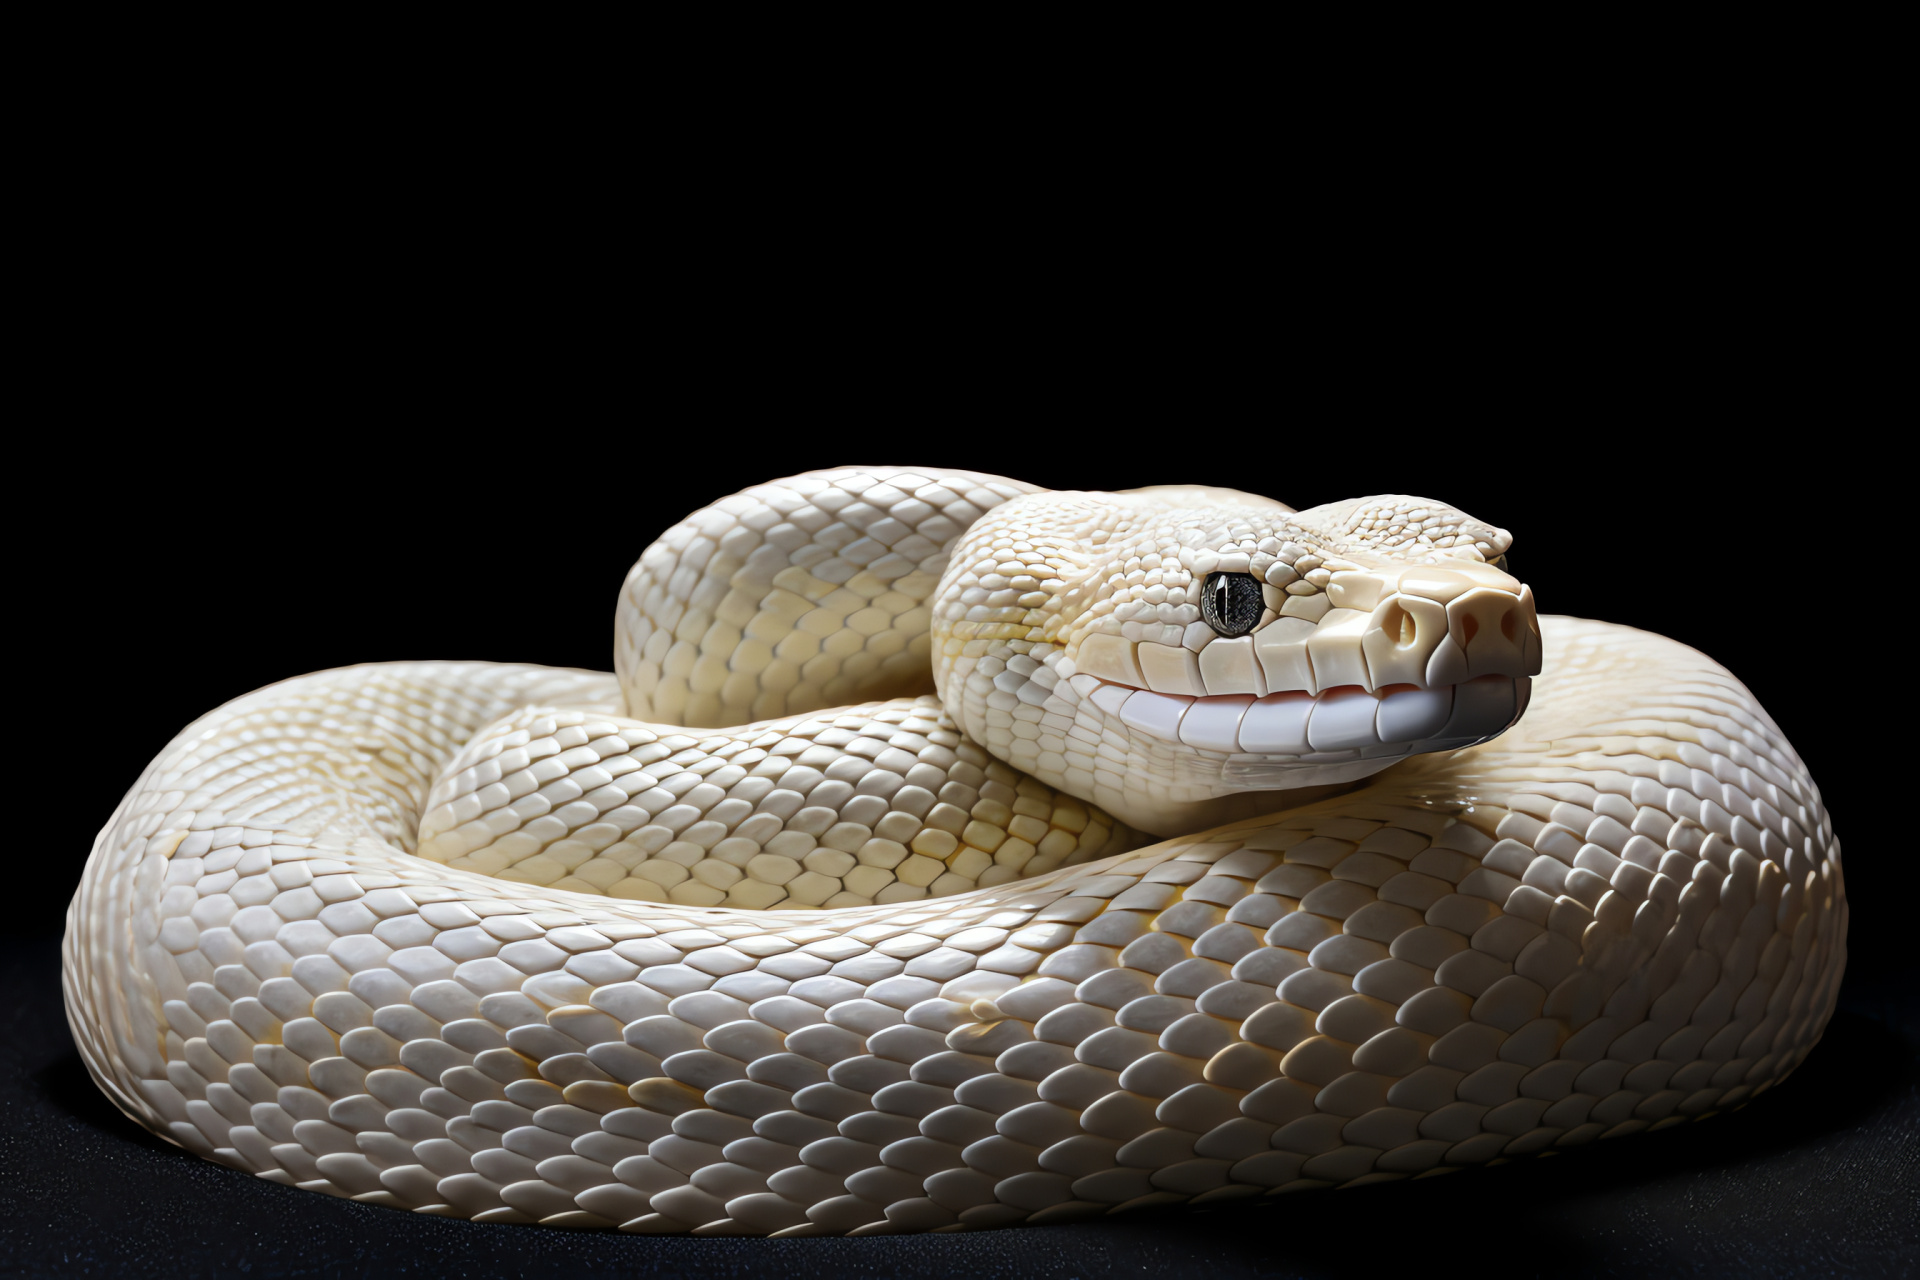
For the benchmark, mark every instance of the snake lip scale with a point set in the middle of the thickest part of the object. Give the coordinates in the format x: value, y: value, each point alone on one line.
x: 944, y: 853
x: 1296, y: 724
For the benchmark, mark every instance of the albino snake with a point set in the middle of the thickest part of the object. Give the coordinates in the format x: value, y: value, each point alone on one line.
x: 511, y: 943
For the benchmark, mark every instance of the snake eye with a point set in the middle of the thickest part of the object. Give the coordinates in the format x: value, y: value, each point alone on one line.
x: 1231, y: 603
x: 1500, y: 562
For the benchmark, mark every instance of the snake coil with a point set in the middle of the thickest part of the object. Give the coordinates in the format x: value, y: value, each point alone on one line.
x: 946, y: 853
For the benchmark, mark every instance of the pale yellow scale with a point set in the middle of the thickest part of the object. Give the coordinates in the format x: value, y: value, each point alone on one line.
x: 947, y: 854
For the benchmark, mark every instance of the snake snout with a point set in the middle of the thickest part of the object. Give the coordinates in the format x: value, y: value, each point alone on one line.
x: 1423, y: 625
x: 1436, y: 626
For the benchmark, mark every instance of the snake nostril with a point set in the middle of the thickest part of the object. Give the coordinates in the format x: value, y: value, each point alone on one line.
x: 1469, y: 628
x: 1398, y: 623
x: 1510, y: 626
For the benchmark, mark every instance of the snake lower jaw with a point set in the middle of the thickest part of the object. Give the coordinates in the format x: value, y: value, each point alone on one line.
x: 1294, y: 738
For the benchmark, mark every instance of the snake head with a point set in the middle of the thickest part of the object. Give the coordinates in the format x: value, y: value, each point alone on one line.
x: 1161, y: 650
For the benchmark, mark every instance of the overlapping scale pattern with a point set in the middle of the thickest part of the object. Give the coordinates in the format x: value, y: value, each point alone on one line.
x: 1625, y: 913
x: 878, y: 803
x: 804, y: 593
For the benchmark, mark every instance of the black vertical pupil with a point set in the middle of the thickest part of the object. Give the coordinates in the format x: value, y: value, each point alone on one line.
x: 1231, y: 603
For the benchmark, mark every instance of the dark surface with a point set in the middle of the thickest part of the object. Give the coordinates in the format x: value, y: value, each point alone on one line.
x: 276, y: 414
x: 162, y: 599
x: 1816, y: 1177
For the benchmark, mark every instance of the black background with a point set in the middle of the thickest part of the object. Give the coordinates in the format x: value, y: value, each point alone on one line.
x: 323, y: 418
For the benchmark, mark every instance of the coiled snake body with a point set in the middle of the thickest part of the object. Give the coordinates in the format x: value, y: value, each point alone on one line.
x: 1073, y: 852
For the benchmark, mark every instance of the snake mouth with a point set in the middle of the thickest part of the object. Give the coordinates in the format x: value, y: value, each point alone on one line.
x: 1348, y: 722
